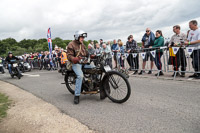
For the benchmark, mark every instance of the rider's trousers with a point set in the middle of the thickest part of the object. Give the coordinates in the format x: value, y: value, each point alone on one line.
x: 79, y: 73
x: 10, y: 68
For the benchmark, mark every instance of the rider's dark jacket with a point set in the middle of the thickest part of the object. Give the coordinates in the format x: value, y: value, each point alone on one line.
x: 73, y: 49
x: 8, y: 59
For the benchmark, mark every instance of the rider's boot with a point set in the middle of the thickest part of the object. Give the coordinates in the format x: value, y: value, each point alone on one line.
x: 76, y: 99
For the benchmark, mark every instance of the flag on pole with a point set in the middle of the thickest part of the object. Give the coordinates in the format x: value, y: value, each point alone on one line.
x: 49, y: 44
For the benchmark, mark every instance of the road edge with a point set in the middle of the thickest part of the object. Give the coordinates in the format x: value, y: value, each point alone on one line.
x: 29, y: 113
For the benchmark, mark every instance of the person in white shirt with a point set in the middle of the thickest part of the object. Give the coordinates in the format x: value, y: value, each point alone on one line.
x: 179, y: 59
x: 193, y: 40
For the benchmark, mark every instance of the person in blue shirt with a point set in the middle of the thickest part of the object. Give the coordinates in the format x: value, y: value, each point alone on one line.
x: 121, y: 50
x: 115, y: 49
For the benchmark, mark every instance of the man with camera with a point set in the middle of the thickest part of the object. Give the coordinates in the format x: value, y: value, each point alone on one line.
x: 179, y: 59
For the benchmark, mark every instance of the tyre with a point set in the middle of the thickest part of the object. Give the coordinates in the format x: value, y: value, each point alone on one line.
x: 3, y: 71
x: 23, y: 70
x: 70, y: 81
x: 19, y: 76
x: 117, y: 87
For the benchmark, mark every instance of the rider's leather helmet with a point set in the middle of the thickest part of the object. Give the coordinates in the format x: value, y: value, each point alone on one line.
x: 79, y: 33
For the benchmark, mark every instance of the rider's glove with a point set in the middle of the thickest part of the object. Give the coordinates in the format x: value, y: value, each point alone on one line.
x: 76, y: 60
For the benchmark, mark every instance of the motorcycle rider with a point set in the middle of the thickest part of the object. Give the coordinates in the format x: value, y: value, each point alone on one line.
x: 76, y: 50
x: 8, y: 59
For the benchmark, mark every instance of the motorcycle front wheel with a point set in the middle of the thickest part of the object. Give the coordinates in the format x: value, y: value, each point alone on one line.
x: 117, y: 87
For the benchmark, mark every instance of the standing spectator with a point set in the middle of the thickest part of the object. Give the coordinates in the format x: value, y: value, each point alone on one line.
x: 115, y: 49
x: 121, y: 50
x: 98, y: 49
x: 59, y: 57
x: 159, y: 42
x: 179, y: 58
x: 42, y: 60
x: 56, y: 47
x: 101, y: 43
x: 147, y: 41
x: 63, y: 59
x: 92, y: 43
x: 193, y: 40
x: 107, y: 53
x: 54, y: 59
x: 131, y: 45
x: 108, y: 45
x: 91, y: 49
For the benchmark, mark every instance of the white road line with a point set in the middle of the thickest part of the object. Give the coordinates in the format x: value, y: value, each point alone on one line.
x: 30, y: 75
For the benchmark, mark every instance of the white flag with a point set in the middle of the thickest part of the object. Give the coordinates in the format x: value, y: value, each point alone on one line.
x: 126, y: 55
x: 143, y: 54
x: 175, y: 49
x: 189, y: 50
x: 153, y: 53
x: 134, y: 55
x: 119, y: 55
x: 112, y: 54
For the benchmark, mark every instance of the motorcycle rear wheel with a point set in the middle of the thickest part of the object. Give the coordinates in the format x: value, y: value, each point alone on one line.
x: 70, y: 81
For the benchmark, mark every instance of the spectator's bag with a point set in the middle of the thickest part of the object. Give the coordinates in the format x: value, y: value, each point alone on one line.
x: 69, y: 63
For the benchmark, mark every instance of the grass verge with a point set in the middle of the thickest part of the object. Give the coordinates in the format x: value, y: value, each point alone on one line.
x: 4, y: 105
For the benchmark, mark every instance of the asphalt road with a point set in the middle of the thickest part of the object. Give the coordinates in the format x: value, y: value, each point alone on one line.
x: 155, y: 105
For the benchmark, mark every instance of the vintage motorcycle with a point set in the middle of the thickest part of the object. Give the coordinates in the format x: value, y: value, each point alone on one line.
x: 100, y: 79
x: 15, y: 69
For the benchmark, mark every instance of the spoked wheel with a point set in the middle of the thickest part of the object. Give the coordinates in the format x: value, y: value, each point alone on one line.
x: 70, y: 81
x: 117, y: 87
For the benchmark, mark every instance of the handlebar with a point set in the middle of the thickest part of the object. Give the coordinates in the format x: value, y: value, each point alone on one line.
x: 84, y: 60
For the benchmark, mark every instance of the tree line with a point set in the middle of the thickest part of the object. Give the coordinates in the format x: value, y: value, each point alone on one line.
x: 31, y: 45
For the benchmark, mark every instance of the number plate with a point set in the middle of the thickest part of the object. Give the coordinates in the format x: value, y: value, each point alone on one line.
x: 15, y: 65
x: 107, y: 68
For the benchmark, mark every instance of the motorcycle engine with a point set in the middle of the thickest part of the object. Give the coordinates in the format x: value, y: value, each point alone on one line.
x: 90, y: 84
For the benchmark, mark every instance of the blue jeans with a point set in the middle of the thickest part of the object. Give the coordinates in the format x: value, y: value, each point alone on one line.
x: 10, y: 68
x: 79, y: 73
